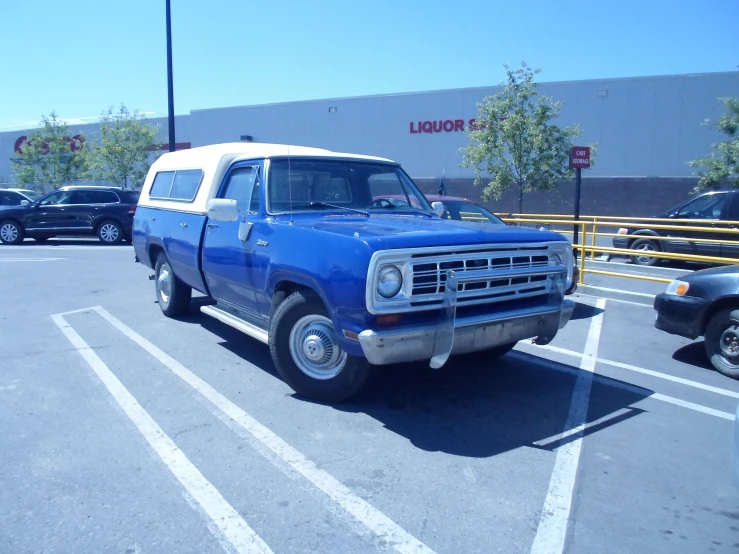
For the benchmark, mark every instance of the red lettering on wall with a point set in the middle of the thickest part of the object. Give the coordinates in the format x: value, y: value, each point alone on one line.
x: 413, y: 129
x: 427, y: 127
x: 458, y: 125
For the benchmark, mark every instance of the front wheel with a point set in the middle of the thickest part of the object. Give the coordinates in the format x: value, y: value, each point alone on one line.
x: 11, y: 232
x: 722, y: 342
x: 172, y: 294
x: 307, y: 353
x: 110, y: 232
x: 644, y: 246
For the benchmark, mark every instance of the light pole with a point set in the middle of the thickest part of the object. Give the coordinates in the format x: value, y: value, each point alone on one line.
x: 170, y: 84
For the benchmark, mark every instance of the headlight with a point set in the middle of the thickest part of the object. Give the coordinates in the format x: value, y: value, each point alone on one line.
x: 389, y: 281
x: 563, y: 256
x: 623, y: 231
x: 678, y: 288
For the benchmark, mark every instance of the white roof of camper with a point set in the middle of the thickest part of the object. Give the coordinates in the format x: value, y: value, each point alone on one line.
x: 215, y: 159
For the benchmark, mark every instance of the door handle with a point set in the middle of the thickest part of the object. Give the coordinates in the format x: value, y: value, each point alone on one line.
x: 212, y: 225
x: 183, y: 224
x: 152, y: 218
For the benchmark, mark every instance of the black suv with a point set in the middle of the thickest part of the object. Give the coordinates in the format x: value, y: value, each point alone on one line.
x: 720, y: 207
x: 72, y: 211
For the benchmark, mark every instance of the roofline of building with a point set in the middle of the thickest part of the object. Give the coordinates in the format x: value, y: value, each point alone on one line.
x: 478, y: 88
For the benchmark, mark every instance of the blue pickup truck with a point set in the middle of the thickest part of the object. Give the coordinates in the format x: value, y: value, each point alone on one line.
x: 297, y: 249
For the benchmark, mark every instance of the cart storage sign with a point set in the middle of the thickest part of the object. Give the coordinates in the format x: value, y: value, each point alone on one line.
x: 580, y: 157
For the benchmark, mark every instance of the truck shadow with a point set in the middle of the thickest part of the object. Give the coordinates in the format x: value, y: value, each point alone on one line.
x: 465, y: 409
x: 693, y: 354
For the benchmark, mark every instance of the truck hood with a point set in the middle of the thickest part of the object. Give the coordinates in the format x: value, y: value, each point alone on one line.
x: 381, y: 232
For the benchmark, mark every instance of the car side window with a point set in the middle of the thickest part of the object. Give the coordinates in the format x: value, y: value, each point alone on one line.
x: 59, y: 197
x: 254, y: 202
x: 705, y: 207
x: 239, y: 187
x: 162, y: 184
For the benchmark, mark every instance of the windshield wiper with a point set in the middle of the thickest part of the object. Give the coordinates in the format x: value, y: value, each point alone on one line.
x: 327, y: 205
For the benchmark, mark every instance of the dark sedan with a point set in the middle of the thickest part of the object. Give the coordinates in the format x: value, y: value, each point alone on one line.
x: 705, y: 304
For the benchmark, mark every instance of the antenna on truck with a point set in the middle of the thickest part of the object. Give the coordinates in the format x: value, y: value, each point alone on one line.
x: 289, y: 185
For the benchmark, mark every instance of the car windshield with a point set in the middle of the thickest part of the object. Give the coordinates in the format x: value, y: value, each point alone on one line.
x: 468, y: 211
x: 300, y: 185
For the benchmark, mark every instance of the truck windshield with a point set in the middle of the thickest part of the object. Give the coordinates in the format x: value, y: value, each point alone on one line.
x: 331, y: 184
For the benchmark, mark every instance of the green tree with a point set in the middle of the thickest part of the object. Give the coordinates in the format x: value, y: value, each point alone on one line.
x: 124, y: 151
x: 722, y: 165
x: 514, y: 142
x: 50, y: 157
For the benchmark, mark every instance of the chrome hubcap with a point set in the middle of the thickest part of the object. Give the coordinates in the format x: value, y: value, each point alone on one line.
x: 109, y: 232
x: 314, y: 348
x: 645, y: 248
x: 9, y: 232
x: 730, y: 342
x: 164, y: 282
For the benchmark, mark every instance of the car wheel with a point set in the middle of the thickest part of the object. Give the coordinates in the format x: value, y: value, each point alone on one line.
x: 173, y: 295
x: 110, y: 232
x: 307, y: 353
x: 11, y: 232
x: 722, y: 342
x: 488, y: 355
x: 644, y: 246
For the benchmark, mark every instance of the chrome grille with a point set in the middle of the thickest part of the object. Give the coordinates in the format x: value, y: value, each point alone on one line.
x: 502, y: 275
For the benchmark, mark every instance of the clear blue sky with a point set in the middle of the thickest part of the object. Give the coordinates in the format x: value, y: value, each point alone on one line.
x: 79, y: 57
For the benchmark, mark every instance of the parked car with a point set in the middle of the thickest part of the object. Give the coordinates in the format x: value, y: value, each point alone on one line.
x: 32, y: 194
x: 72, y: 211
x: 705, y: 304
x: 295, y: 250
x: 721, y: 207
x: 13, y: 198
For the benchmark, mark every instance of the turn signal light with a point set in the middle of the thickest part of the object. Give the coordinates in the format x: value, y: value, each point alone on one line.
x: 678, y: 288
x: 623, y: 231
x: 388, y: 319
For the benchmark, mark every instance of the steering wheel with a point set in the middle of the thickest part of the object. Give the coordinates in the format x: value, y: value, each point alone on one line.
x: 382, y: 203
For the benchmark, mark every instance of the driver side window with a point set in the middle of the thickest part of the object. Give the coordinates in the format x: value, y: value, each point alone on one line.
x: 239, y: 187
x: 60, y: 197
x: 705, y: 207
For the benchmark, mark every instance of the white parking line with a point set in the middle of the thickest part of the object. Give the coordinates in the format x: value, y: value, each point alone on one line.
x: 621, y: 291
x: 552, y: 531
x: 29, y: 259
x: 372, y: 518
x: 235, y: 530
x: 617, y: 300
x: 647, y: 393
x: 665, y: 376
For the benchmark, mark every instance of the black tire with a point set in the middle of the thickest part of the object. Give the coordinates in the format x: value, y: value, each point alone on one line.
x: 341, y: 378
x: 110, y: 232
x: 11, y: 232
x: 645, y: 245
x: 175, y: 301
x: 488, y: 355
x: 722, y: 342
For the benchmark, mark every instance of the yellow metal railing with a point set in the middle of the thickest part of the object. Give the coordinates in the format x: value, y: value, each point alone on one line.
x: 672, y: 229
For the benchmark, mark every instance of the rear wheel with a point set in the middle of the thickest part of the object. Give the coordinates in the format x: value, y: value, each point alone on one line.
x: 722, y: 342
x: 173, y: 295
x: 11, y: 232
x: 110, y: 232
x: 644, y: 247
x: 307, y: 353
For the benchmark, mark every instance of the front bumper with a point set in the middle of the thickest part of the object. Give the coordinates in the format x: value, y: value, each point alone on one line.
x: 681, y: 315
x: 470, y: 334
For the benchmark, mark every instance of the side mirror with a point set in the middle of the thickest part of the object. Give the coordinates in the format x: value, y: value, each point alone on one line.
x: 438, y: 208
x: 25, y: 203
x: 223, y: 209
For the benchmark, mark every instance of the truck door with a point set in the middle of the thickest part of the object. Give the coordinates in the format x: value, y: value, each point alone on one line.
x: 227, y: 259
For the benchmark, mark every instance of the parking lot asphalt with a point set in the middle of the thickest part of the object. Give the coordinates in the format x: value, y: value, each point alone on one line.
x: 125, y: 431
